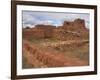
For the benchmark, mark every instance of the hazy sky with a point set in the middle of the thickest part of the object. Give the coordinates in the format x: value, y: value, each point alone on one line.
x: 31, y: 18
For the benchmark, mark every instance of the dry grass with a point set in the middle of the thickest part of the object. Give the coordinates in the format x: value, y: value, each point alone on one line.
x: 70, y: 54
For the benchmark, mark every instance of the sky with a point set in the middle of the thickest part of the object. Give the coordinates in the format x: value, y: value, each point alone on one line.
x: 32, y: 18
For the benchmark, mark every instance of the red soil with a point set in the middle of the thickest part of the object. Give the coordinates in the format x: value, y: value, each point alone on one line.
x: 44, y: 58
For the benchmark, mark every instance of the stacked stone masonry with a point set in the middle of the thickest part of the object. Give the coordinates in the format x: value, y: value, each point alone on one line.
x: 68, y: 31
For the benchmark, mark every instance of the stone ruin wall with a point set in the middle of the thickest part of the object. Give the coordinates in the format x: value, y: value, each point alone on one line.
x: 72, y: 30
x: 68, y: 31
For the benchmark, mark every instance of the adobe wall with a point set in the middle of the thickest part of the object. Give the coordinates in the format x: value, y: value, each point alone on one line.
x: 40, y: 31
x: 30, y: 33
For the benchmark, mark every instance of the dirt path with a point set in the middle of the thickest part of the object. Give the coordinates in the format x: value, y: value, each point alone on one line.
x: 44, y: 58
